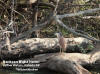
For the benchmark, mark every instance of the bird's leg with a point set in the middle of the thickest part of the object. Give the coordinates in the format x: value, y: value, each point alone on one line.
x: 63, y: 50
x: 60, y: 50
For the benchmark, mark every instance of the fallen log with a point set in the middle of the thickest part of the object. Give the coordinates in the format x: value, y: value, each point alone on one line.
x: 34, y: 46
x: 70, y: 63
x: 39, y: 43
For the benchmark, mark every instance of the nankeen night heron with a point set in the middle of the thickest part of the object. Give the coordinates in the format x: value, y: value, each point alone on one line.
x: 61, y: 41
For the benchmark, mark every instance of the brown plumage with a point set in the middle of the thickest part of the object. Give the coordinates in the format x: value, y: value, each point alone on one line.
x: 62, y: 42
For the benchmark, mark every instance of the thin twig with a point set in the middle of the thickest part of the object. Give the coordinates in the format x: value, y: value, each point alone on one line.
x: 73, y: 31
x: 40, y: 26
x: 22, y: 16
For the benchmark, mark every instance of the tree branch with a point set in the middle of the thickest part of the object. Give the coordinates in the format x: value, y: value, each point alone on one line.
x: 73, y: 31
x: 78, y: 13
x: 40, y: 26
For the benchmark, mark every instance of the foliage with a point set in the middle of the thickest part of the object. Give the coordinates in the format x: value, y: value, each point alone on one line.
x: 90, y: 26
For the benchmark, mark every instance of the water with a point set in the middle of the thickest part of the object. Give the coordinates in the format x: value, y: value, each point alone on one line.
x: 42, y: 71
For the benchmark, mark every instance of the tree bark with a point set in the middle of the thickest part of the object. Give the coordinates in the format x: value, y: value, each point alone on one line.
x: 70, y: 63
x: 36, y: 46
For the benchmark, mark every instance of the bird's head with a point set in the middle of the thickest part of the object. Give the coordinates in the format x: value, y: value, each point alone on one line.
x: 58, y: 34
